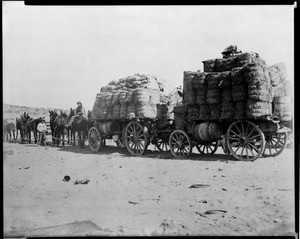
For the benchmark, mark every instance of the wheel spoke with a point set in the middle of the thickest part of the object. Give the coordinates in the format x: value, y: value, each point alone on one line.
x: 250, y: 149
x: 254, y: 137
x: 243, y: 133
x: 232, y: 131
x: 237, y: 129
x: 242, y: 150
x: 233, y: 138
x: 247, y: 128
x: 247, y: 152
x: 250, y: 131
x: 253, y: 147
x: 237, y: 148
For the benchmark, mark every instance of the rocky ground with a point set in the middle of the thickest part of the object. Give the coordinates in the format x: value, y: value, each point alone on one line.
x: 149, y: 195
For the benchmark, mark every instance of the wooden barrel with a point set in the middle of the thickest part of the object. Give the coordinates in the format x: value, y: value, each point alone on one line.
x: 201, y: 131
x: 109, y: 127
x: 215, y: 131
x: 207, y: 131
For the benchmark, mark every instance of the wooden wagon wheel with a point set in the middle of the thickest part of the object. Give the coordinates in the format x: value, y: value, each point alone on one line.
x: 245, y: 140
x: 275, y: 144
x: 94, y: 139
x: 180, y: 144
x: 209, y: 147
x: 162, y: 145
x: 135, y: 138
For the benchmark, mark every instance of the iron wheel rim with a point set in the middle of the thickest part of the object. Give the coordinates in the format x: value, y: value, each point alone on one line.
x: 94, y: 139
x: 245, y: 140
x: 275, y: 144
x: 162, y: 145
x: 135, y: 139
x: 208, y: 148
x: 180, y: 144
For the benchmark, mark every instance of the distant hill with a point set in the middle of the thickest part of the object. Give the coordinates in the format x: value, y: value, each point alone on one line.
x: 11, y: 112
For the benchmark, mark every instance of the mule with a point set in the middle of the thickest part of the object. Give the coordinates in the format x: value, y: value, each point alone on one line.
x: 81, y: 127
x: 5, y: 122
x: 18, y: 127
x: 9, y: 131
x: 25, y: 130
x: 31, y: 126
x: 58, y: 124
x: 52, y: 116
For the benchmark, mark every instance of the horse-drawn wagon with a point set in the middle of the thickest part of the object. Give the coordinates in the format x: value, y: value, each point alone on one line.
x: 245, y: 139
x: 135, y: 134
x: 239, y: 103
x: 132, y: 114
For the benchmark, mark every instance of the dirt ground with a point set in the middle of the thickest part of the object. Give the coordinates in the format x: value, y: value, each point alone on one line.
x: 150, y: 195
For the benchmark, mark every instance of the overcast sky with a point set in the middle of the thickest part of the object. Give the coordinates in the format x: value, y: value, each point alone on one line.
x: 54, y: 56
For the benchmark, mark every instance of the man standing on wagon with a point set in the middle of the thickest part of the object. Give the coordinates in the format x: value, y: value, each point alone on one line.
x: 79, y: 114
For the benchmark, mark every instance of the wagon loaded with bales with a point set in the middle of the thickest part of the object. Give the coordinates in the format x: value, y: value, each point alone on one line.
x: 238, y: 101
x: 131, y: 111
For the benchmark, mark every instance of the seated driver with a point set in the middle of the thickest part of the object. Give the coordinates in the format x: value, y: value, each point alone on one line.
x: 79, y: 114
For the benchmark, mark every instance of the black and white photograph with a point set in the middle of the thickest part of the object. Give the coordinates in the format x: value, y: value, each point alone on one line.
x: 156, y: 120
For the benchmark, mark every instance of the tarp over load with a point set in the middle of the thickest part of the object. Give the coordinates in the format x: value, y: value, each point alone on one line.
x: 139, y: 94
x: 239, y: 85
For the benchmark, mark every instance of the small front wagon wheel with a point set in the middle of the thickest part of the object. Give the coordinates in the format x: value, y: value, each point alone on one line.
x: 162, y: 145
x: 275, y: 144
x: 208, y: 147
x: 180, y: 144
x: 135, y: 138
x: 94, y: 139
x: 245, y: 140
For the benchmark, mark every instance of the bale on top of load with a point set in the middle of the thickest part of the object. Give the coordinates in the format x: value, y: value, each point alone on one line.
x: 138, y: 94
x: 237, y: 86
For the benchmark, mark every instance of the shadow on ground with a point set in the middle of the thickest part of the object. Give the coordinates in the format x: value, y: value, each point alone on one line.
x: 110, y: 149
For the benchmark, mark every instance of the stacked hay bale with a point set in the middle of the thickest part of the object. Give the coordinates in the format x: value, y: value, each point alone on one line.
x: 260, y: 90
x: 283, y: 92
x: 214, y: 94
x: 227, y: 107
x: 237, y: 87
x: 189, y: 95
x: 200, y: 85
x: 239, y: 92
x: 138, y: 94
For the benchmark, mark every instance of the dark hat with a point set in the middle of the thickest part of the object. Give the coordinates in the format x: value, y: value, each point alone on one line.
x: 79, y: 102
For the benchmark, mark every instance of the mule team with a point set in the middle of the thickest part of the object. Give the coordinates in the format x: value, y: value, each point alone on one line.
x: 61, y: 124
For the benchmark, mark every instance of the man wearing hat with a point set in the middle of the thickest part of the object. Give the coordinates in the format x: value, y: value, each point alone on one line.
x: 42, y: 129
x: 79, y: 114
x: 231, y: 50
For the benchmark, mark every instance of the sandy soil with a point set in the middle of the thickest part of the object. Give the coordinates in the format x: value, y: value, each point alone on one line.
x: 148, y: 195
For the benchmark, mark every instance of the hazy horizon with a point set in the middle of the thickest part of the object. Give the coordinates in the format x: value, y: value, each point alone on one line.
x: 54, y: 56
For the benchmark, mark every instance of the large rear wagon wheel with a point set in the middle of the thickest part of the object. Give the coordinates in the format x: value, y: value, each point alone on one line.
x: 275, y: 144
x: 180, y: 144
x: 209, y: 147
x: 94, y: 139
x: 245, y: 140
x: 135, y: 138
